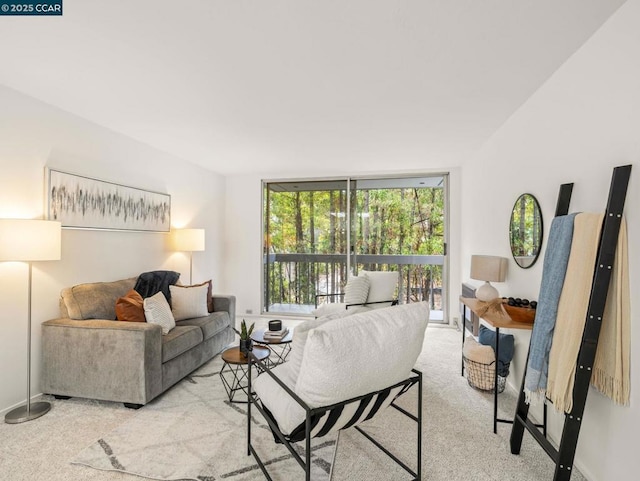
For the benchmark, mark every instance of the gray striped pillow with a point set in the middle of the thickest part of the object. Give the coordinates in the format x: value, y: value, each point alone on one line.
x: 356, y: 290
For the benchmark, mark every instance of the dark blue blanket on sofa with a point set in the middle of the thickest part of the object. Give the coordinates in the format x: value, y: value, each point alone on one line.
x: 150, y: 283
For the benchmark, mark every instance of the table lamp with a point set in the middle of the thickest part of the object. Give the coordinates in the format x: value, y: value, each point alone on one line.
x: 188, y: 240
x: 29, y: 240
x: 488, y: 269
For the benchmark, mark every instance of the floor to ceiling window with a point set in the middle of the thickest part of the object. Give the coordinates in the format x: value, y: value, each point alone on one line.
x: 390, y: 224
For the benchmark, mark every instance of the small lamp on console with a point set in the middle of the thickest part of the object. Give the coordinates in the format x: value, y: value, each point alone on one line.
x: 29, y: 240
x: 188, y: 240
x: 488, y: 269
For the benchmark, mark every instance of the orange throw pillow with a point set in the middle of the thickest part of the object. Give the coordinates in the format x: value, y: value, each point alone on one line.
x: 130, y: 307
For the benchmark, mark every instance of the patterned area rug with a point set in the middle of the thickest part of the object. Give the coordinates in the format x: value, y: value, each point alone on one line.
x: 193, y: 432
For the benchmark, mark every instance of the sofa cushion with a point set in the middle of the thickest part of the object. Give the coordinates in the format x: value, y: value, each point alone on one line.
x: 355, y: 355
x: 130, y: 307
x: 211, y: 324
x: 188, y: 302
x: 157, y: 311
x: 179, y: 340
x: 96, y: 300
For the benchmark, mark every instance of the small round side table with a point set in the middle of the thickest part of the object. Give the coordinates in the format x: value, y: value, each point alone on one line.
x: 235, y: 371
x: 280, y: 347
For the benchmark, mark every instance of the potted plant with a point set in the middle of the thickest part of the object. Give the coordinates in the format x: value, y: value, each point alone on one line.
x: 246, y: 344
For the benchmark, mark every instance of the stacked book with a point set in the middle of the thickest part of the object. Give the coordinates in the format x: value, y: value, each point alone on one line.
x: 276, y: 335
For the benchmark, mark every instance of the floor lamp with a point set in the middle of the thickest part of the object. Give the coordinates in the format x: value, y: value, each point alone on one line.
x: 29, y: 240
x: 188, y: 240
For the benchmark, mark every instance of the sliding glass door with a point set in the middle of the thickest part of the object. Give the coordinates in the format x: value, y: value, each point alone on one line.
x: 390, y: 224
x: 399, y: 226
x: 305, y: 243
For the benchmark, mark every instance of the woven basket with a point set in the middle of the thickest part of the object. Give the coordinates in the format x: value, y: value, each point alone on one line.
x: 482, y: 376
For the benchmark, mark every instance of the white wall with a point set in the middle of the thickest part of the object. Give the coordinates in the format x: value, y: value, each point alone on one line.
x: 579, y: 125
x: 34, y: 135
x: 243, y: 249
x: 243, y: 242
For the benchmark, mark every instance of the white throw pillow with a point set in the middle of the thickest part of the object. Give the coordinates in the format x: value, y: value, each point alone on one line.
x: 157, y: 311
x: 356, y: 355
x: 356, y: 290
x: 189, y: 302
x: 382, y: 287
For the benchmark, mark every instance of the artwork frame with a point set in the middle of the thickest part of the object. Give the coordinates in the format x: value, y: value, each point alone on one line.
x: 81, y: 202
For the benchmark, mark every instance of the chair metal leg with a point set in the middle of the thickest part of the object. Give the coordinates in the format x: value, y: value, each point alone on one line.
x: 419, y: 469
x: 249, y: 412
x: 307, y: 447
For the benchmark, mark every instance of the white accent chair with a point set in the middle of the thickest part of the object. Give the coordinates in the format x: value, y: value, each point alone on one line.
x: 340, y: 373
x: 368, y: 290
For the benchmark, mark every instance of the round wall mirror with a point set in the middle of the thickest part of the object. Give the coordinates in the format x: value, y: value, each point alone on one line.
x: 525, y: 231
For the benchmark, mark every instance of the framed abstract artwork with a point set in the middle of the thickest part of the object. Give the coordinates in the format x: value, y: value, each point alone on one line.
x: 81, y: 202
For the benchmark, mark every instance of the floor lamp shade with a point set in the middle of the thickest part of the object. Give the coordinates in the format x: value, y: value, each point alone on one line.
x: 29, y: 240
x: 488, y: 269
x: 188, y: 240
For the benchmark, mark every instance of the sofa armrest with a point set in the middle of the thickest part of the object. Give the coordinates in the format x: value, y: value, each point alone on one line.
x: 102, y: 359
x: 226, y: 303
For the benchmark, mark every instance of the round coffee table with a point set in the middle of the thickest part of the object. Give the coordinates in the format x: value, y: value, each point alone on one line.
x: 280, y: 348
x: 235, y: 371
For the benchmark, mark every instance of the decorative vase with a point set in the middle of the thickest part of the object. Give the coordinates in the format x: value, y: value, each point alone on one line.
x: 246, y: 345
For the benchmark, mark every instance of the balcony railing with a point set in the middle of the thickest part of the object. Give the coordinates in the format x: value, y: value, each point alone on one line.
x: 295, y: 279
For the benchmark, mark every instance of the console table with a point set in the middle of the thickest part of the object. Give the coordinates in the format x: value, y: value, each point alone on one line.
x: 496, y: 323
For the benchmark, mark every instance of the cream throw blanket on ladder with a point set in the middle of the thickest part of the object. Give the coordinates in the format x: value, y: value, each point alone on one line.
x: 611, y: 369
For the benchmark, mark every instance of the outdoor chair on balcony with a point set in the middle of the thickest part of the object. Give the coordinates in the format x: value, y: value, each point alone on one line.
x: 368, y: 290
x: 341, y: 373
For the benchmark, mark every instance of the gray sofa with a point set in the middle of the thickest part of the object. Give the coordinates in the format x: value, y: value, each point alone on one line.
x: 88, y: 354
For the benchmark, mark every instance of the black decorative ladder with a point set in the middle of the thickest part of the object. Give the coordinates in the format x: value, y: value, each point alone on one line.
x: 565, y: 454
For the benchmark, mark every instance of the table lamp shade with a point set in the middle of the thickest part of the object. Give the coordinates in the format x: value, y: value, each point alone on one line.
x: 30, y: 240
x: 189, y: 240
x: 488, y: 269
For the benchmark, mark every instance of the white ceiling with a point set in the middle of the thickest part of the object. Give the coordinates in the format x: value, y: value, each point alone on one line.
x: 275, y: 86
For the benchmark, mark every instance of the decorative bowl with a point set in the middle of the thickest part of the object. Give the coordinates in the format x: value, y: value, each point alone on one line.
x: 520, y: 314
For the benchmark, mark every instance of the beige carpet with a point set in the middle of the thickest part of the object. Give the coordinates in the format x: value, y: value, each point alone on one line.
x: 193, y: 432
x: 458, y: 439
